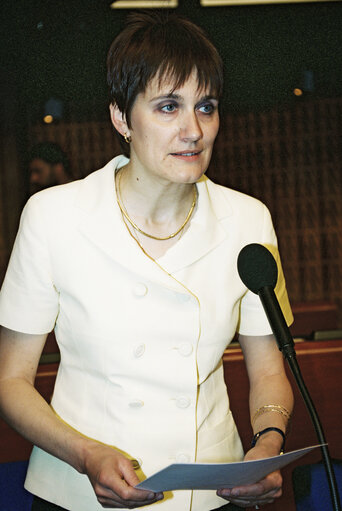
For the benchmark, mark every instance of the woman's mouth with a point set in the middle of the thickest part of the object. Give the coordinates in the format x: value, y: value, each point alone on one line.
x: 187, y: 155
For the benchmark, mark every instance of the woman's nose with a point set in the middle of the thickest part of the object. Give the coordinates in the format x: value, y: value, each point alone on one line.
x: 190, y: 129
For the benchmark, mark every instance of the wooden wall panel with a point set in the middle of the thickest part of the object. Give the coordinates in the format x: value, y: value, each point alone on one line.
x: 292, y: 160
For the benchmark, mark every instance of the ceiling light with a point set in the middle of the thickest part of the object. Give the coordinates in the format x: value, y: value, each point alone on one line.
x: 144, y: 4
x: 223, y: 3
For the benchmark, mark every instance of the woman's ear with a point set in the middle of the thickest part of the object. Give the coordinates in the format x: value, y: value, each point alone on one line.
x: 118, y: 120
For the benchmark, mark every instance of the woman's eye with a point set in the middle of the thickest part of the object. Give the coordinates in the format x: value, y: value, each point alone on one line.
x: 207, y: 108
x: 169, y: 108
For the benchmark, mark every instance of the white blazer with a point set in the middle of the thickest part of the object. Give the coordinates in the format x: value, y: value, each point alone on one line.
x: 141, y: 341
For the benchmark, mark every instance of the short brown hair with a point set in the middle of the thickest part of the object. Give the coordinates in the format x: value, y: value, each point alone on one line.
x: 164, y: 45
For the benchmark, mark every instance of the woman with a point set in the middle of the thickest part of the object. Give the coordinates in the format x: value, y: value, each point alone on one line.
x: 135, y: 268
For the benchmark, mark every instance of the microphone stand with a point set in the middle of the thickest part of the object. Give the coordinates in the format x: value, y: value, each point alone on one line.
x: 286, y: 346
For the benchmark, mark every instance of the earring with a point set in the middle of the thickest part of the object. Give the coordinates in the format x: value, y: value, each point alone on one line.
x: 128, y: 138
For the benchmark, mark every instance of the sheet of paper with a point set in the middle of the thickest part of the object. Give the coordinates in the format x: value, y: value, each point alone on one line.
x: 212, y: 476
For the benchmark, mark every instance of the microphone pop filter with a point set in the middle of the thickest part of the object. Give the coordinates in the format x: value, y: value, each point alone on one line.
x: 257, y: 267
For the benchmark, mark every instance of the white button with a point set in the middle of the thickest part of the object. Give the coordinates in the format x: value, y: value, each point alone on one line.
x: 139, y: 350
x: 136, y: 403
x: 185, y: 349
x: 182, y: 402
x: 140, y: 289
x: 182, y: 458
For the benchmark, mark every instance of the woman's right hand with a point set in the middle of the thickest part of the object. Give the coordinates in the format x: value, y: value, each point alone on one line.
x: 113, y: 478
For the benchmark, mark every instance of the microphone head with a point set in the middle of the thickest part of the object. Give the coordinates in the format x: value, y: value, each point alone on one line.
x: 257, y: 267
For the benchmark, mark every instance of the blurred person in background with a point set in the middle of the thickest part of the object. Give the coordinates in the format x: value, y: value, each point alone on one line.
x: 48, y: 166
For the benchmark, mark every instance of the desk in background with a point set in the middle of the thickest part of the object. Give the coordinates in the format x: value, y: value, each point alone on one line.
x: 321, y: 366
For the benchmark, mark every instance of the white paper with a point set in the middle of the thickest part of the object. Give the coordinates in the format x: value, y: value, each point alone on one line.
x: 212, y: 476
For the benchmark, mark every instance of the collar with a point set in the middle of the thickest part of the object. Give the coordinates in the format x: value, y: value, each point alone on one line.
x: 102, y: 224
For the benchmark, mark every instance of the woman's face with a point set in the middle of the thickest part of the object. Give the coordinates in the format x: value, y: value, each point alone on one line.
x: 173, y: 131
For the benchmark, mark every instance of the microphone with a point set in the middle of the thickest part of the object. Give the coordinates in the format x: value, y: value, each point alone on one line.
x: 258, y: 271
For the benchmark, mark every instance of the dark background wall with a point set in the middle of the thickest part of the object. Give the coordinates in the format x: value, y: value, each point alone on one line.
x: 58, y: 48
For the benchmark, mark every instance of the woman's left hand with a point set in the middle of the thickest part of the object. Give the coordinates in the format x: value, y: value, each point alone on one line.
x: 259, y: 494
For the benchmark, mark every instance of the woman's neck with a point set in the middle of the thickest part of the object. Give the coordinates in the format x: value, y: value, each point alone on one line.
x: 156, y: 208
x: 154, y: 202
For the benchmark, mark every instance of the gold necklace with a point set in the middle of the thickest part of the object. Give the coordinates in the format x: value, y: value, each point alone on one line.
x: 124, y: 212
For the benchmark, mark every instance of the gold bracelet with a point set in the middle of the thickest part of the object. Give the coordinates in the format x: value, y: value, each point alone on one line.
x: 271, y: 408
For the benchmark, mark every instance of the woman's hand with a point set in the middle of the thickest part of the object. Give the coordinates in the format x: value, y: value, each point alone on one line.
x: 113, y: 478
x: 268, y: 385
x: 261, y: 493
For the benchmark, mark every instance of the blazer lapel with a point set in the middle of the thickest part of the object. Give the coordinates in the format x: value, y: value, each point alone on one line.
x: 101, y: 222
x: 206, y: 231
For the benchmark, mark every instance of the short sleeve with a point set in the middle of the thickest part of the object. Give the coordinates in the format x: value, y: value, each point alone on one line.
x: 253, y: 320
x: 28, y: 298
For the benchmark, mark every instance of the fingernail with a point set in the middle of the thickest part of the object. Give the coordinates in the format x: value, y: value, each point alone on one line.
x: 224, y: 493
